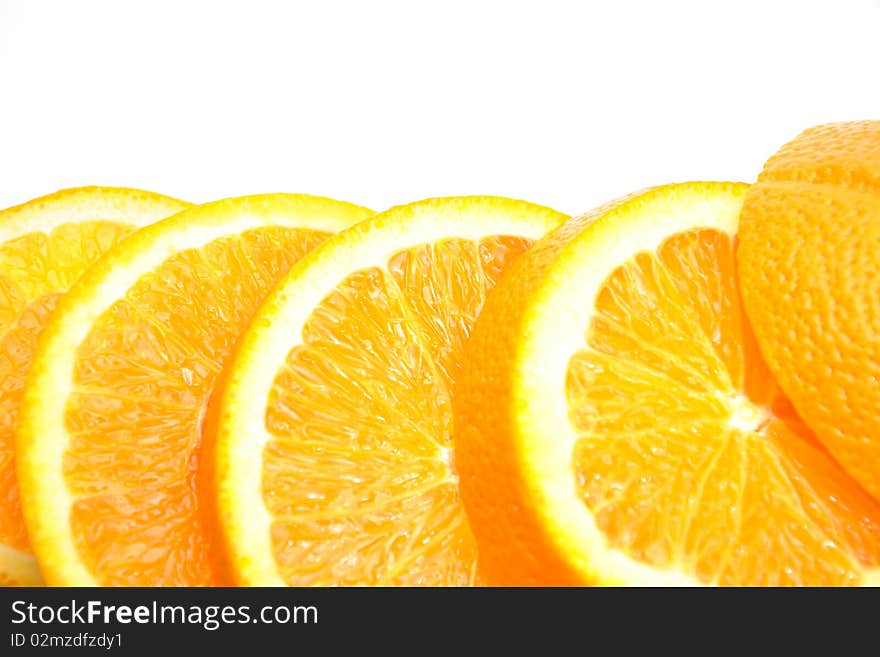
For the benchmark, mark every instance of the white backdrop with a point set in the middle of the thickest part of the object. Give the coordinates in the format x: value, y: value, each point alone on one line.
x: 381, y: 102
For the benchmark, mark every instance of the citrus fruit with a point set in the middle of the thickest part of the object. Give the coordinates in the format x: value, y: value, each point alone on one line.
x: 810, y: 275
x: 616, y: 423
x: 111, y: 420
x: 332, y: 442
x: 45, y: 245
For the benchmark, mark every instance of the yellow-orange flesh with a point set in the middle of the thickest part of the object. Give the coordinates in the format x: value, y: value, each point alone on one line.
x: 689, y: 456
x: 142, y: 380
x: 358, y: 475
x: 35, y: 270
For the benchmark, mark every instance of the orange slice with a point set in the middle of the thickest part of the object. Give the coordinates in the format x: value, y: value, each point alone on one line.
x: 617, y: 425
x: 45, y: 245
x: 115, y: 397
x: 333, y: 461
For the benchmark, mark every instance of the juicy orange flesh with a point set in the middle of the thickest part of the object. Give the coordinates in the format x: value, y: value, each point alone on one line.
x: 142, y: 380
x: 35, y: 269
x: 689, y: 456
x: 358, y: 475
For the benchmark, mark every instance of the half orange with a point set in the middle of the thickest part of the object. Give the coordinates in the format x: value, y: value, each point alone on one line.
x: 809, y: 263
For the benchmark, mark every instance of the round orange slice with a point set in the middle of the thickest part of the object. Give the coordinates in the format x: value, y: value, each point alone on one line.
x: 333, y: 458
x: 114, y: 401
x: 616, y: 423
x: 45, y: 245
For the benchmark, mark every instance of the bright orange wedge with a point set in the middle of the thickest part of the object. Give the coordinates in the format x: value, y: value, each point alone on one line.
x: 333, y: 435
x: 45, y: 245
x: 616, y: 423
x: 114, y: 401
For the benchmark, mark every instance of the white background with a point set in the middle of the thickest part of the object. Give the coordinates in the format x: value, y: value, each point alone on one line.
x: 378, y: 102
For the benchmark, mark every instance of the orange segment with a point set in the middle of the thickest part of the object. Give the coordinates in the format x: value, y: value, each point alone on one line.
x: 334, y: 439
x: 445, y: 284
x: 617, y: 424
x: 145, y: 335
x: 45, y: 246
